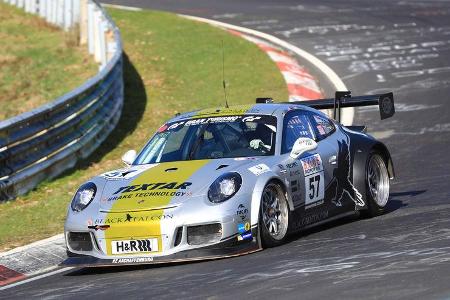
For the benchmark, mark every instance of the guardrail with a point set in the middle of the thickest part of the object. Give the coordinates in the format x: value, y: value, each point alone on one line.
x: 41, y: 144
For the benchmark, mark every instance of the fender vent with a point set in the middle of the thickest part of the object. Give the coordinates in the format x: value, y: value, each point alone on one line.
x: 221, y: 167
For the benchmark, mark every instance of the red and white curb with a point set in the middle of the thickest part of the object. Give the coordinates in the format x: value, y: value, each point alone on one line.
x: 301, y: 85
x: 22, y: 263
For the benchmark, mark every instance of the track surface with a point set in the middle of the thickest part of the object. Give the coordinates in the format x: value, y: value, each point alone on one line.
x: 374, y: 46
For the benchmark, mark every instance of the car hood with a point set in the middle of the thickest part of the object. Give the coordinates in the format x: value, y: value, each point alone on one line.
x: 164, y: 185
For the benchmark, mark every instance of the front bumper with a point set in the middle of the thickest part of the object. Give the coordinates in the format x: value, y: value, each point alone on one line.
x: 226, y: 248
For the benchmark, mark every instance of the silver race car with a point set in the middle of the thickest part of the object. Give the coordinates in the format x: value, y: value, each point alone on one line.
x: 228, y: 181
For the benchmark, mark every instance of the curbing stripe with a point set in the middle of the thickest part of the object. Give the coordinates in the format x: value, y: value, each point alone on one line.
x: 347, y: 113
x: 299, y: 82
x: 8, y: 276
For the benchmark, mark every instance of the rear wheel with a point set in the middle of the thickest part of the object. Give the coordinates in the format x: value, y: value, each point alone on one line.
x: 377, y: 184
x: 274, y: 215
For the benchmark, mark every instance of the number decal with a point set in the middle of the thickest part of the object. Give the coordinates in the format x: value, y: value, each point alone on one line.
x: 314, y: 188
x: 314, y: 182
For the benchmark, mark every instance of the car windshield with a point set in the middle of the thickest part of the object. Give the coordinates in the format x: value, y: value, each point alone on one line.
x: 210, y: 138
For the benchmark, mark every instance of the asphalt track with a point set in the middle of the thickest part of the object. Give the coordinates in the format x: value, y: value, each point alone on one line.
x: 374, y: 46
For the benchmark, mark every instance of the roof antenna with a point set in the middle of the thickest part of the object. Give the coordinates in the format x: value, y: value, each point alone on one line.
x: 223, y: 77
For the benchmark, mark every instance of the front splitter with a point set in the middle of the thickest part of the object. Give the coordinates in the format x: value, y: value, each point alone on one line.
x: 216, y: 251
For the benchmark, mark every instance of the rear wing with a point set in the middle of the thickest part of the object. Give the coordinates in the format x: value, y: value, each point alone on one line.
x: 344, y: 99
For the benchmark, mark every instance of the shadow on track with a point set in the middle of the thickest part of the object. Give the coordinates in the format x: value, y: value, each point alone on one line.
x: 392, y: 206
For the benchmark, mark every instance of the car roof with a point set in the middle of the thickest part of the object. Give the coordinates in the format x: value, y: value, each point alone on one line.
x: 274, y: 109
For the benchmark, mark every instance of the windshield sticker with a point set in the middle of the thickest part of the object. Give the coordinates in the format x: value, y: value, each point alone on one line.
x: 212, y: 120
x: 251, y: 118
x: 219, y: 119
x: 259, y: 169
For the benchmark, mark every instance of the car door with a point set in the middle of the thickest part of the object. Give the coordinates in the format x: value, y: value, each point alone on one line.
x: 311, y: 172
x: 327, y: 138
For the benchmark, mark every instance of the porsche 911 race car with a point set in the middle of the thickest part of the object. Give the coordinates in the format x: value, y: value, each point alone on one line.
x: 228, y: 181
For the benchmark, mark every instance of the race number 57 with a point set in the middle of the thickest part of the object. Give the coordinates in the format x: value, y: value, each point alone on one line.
x: 314, y: 188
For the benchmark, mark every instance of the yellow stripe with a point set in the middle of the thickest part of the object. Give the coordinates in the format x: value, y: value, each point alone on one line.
x: 222, y: 111
x: 146, y: 224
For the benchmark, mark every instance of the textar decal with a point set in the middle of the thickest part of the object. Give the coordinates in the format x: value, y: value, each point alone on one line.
x: 242, y: 212
x: 153, y: 186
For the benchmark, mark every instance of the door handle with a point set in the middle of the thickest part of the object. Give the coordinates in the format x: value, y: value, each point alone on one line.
x: 332, y: 160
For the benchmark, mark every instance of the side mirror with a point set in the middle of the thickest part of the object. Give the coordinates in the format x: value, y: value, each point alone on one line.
x: 129, y: 157
x: 301, y: 146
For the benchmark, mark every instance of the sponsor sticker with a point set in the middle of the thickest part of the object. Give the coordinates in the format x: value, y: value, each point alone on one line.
x: 131, y: 219
x: 244, y: 158
x: 243, y: 227
x: 242, y: 212
x: 132, y: 260
x: 245, y: 236
x: 250, y: 119
x: 259, y: 169
x: 134, y: 246
x: 121, y: 174
x: 312, y: 164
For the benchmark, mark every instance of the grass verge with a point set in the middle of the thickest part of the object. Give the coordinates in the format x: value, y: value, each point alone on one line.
x: 38, y: 62
x: 171, y: 65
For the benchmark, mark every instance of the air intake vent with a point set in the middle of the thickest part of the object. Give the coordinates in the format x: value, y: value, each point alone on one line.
x: 221, y: 167
x: 178, y: 236
x: 80, y: 241
x: 204, y: 234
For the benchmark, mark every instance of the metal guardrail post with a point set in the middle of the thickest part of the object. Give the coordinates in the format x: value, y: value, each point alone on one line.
x: 83, y: 22
x: 90, y: 27
x: 68, y: 14
x: 43, y: 8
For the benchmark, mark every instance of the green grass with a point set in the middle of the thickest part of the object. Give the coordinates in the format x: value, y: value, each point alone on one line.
x: 171, y: 65
x: 38, y: 62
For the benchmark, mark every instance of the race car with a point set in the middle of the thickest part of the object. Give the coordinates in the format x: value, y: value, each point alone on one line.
x: 229, y: 181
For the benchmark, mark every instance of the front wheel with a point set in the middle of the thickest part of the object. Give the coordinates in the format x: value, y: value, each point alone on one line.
x: 377, y: 184
x: 274, y: 215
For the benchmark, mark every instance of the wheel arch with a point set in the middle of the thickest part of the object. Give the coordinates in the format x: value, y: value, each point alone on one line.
x: 361, y: 152
x: 262, y: 182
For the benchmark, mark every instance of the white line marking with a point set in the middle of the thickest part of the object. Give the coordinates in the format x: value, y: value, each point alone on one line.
x: 35, y: 278
x: 347, y: 113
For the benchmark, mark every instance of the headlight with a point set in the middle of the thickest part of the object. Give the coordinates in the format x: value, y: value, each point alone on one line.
x: 84, y: 196
x: 224, y: 187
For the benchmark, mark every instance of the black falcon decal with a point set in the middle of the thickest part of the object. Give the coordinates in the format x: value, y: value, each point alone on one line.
x: 341, y: 184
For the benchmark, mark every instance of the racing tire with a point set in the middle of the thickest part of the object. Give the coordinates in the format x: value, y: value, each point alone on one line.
x: 377, y: 184
x: 273, y: 216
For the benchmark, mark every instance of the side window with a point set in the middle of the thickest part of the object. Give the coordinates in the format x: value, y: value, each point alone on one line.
x: 323, y: 126
x: 296, y: 125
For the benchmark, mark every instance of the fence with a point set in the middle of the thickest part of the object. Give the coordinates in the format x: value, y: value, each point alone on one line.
x: 42, y: 143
